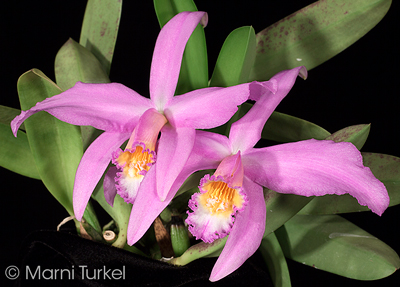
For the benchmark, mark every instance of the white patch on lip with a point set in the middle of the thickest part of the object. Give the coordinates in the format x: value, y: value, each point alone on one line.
x: 128, y: 187
x: 207, y: 226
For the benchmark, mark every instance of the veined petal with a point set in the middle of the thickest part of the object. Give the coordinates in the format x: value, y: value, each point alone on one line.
x: 246, y: 234
x: 246, y: 132
x: 167, y: 56
x: 188, y: 110
x: 92, y: 166
x: 109, y: 107
x: 174, y: 149
x: 316, y: 168
x: 146, y: 208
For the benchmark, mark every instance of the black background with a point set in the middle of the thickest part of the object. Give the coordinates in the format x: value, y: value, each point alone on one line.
x: 360, y: 85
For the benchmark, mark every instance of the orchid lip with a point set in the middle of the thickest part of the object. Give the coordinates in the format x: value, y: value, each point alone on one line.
x: 133, y: 164
x: 215, y: 207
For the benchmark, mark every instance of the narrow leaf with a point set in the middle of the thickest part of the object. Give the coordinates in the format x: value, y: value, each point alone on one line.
x: 314, y: 34
x: 194, y: 69
x: 100, y: 29
x: 333, y: 244
x: 385, y: 167
x: 273, y: 255
x: 235, y: 58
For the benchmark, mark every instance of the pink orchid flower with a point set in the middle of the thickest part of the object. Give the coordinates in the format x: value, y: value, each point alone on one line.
x: 124, y: 114
x: 231, y: 201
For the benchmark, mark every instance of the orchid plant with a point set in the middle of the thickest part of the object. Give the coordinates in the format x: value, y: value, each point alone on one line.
x: 144, y: 159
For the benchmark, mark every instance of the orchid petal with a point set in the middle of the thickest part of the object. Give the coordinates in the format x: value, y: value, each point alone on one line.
x: 167, y: 56
x: 141, y: 215
x: 174, y: 149
x: 231, y: 169
x: 110, y: 107
x: 210, y: 147
x: 253, y: 122
x: 316, y: 168
x: 189, y: 110
x: 92, y: 166
x: 208, y: 151
x: 246, y: 234
x: 110, y: 190
x: 148, y: 129
x: 202, y: 157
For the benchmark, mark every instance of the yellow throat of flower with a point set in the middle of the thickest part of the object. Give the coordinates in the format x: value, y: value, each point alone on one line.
x: 135, y: 162
x: 220, y: 198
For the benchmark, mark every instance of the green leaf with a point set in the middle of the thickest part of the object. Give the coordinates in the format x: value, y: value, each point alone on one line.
x: 76, y: 63
x: 357, y: 135
x: 7, y: 114
x: 100, y: 29
x: 235, y: 58
x: 273, y: 255
x: 280, y: 208
x: 333, y: 244
x: 285, y: 128
x: 314, y: 34
x: 194, y: 68
x: 56, y: 146
x: 15, y: 153
x: 385, y: 167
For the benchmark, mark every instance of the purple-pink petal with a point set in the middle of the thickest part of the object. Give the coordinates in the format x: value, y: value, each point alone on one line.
x: 167, y: 56
x: 146, y: 208
x: 201, y: 158
x: 92, y: 166
x: 110, y: 190
x: 174, y: 149
x: 246, y: 234
x: 110, y: 107
x: 189, y: 110
x: 246, y: 132
x: 316, y: 168
x: 209, y: 147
